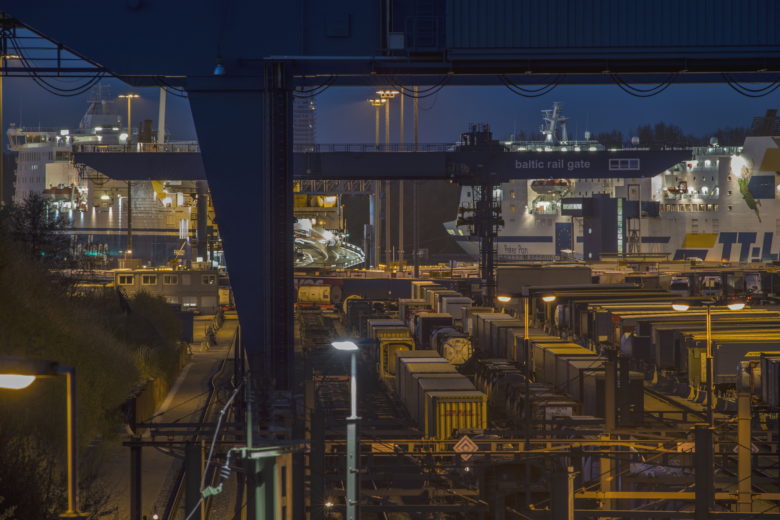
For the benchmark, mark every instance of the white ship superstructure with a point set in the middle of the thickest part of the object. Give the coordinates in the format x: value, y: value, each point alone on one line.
x: 721, y: 205
x: 94, y: 207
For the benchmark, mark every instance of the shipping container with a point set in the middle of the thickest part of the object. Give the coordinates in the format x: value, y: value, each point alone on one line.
x: 455, y: 305
x: 481, y: 328
x: 415, y: 401
x: 448, y: 413
x: 389, y: 349
x: 314, y: 294
x: 375, y: 323
x: 417, y: 286
x: 407, y: 305
x: 409, y: 366
x: 496, y: 346
x: 439, y: 297
x: 770, y: 381
x: 468, y: 318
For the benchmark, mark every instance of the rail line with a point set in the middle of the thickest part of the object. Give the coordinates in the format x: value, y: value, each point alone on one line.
x: 177, y: 491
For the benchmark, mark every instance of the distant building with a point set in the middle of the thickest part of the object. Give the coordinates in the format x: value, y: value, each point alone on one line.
x: 304, y: 124
x: 191, y: 289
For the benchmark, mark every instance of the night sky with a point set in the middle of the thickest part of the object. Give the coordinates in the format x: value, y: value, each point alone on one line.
x: 345, y: 116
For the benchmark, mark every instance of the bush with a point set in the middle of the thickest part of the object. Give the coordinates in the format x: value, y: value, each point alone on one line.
x: 112, y: 351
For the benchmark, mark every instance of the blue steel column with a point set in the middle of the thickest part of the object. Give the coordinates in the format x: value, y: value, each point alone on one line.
x: 245, y: 137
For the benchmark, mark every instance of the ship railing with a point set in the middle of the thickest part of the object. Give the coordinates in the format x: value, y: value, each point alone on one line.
x: 372, y: 147
x: 183, y: 147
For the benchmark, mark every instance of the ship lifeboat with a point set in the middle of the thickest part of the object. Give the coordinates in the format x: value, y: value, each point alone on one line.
x: 550, y: 185
x: 680, y: 189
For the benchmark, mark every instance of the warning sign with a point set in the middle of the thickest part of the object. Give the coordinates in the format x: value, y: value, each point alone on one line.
x: 466, y: 447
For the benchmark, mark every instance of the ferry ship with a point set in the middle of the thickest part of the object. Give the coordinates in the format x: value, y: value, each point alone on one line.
x: 164, y: 214
x: 721, y: 205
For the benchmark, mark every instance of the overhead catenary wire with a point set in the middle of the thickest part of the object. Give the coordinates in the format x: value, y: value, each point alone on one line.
x: 310, y: 93
x: 531, y: 93
x: 751, y: 92
x: 642, y: 92
x: 50, y: 87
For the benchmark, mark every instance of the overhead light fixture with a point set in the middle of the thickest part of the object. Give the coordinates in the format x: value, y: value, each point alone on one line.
x: 681, y: 306
x: 15, y: 381
x: 549, y: 298
x: 504, y: 299
x: 344, y: 345
x: 736, y: 305
x: 219, y: 69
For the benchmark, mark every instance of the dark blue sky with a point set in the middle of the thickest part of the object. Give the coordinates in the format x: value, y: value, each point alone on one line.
x: 345, y: 116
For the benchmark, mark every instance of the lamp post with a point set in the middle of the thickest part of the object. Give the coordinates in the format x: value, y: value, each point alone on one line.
x: 129, y: 98
x: 548, y: 300
x: 353, y: 487
x: 376, y: 199
x: 387, y: 95
x: 19, y: 373
x: 684, y: 305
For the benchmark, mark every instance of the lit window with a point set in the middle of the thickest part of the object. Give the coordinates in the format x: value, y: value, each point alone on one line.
x: 209, y: 279
x: 126, y: 279
x: 149, y: 279
x: 170, y: 279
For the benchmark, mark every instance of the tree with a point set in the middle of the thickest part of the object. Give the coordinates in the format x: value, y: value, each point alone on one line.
x: 37, y: 229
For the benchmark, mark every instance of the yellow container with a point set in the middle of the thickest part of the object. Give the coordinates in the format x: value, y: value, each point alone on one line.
x: 300, y: 200
x: 391, y: 331
x: 448, y: 412
x: 388, y: 353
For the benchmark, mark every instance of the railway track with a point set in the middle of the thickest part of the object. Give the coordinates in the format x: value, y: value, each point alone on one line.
x: 176, y: 493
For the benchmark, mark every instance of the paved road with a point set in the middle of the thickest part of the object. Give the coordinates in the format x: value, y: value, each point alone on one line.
x: 183, y: 404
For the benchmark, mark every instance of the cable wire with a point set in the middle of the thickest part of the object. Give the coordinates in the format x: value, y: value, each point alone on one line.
x: 750, y: 92
x: 49, y: 87
x: 531, y: 93
x: 640, y: 92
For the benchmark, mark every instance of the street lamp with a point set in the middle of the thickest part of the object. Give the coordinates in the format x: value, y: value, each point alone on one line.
x: 19, y: 373
x: 684, y: 305
x: 375, y: 199
x: 129, y: 98
x: 388, y: 95
x: 353, y: 489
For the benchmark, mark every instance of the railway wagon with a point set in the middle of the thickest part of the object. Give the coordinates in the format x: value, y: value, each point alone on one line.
x: 544, y: 405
